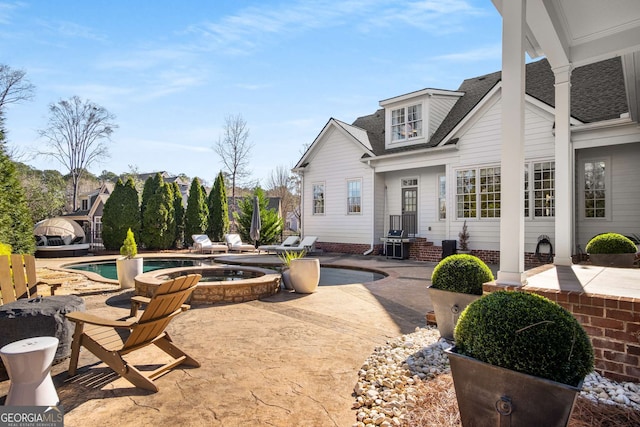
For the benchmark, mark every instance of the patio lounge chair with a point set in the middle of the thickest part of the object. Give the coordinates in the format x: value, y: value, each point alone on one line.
x: 234, y: 242
x: 18, y: 279
x: 289, y: 241
x: 202, y: 244
x: 110, y: 340
x: 308, y: 244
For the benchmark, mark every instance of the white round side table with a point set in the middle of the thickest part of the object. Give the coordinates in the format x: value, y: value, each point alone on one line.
x: 28, y: 364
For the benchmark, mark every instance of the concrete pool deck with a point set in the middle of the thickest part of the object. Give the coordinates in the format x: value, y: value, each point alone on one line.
x: 287, y: 360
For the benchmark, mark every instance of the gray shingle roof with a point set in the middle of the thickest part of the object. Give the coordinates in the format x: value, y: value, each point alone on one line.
x: 597, y: 93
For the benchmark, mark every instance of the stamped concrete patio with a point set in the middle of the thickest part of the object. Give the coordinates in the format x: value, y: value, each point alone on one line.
x: 288, y: 360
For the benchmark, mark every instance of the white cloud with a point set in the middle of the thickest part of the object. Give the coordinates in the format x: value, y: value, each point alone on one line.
x: 474, y: 55
x: 7, y: 9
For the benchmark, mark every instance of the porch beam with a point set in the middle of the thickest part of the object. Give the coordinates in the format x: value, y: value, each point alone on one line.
x: 511, y: 270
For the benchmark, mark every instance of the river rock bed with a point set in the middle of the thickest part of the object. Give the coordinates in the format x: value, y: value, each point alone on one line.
x: 385, y: 390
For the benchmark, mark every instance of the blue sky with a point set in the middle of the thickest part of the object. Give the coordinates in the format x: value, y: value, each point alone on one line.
x: 172, y: 71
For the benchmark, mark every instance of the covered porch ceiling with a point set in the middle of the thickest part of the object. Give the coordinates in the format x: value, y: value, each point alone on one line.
x: 579, y: 32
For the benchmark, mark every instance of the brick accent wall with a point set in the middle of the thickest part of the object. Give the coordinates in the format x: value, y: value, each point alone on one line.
x: 612, y: 323
x: 422, y: 250
x: 348, y: 248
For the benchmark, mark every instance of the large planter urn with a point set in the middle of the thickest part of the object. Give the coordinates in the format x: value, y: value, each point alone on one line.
x: 128, y: 269
x: 490, y: 396
x: 613, y: 260
x: 304, y: 274
x: 447, y: 307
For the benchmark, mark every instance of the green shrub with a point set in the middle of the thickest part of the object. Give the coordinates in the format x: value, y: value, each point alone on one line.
x: 611, y: 243
x: 526, y: 333
x: 461, y: 273
x: 129, y: 248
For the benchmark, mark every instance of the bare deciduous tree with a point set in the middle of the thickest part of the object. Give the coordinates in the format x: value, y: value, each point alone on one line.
x: 282, y: 183
x: 14, y: 86
x: 234, y: 149
x: 75, y: 136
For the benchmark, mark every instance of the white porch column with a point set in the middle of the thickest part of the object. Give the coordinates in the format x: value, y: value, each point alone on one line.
x: 511, y: 270
x: 564, y: 168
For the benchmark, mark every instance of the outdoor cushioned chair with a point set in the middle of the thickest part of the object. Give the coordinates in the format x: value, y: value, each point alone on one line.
x: 110, y: 340
x: 308, y: 244
x: 234, y: 242
x: 289, y: 241
x: 18, y: 279
x: 202, y: 244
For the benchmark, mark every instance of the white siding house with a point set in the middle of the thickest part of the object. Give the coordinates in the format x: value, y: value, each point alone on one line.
x: 431, y: 159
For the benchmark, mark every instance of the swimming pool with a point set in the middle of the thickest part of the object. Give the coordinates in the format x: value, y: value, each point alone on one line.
x: 329, y: 276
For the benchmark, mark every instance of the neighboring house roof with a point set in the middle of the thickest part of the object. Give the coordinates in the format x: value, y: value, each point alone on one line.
x: 597, y: 93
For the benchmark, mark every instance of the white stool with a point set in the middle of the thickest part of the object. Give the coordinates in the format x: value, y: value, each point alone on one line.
x: 28, y: 364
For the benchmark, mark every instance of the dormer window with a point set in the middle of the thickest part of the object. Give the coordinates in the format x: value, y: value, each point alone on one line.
x: 85, y: 204
x: 406, y: 123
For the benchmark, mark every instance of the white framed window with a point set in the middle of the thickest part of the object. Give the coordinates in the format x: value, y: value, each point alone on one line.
x: 478, y: 192
x: 318, y: 198
x: 540, y: 189
x: 595, y: 188
x: 85, y: 204
x: 406, y: 123
x: 442, y: 197
x: 354, y: 193
x: 466, y: 193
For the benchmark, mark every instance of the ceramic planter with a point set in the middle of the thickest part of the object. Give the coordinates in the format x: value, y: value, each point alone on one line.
x: 127, y: 270
x: 490, y: 396
x: 613, y: 260
x: 286, y: 280
x: 447, y: 306
x: 305, y: 274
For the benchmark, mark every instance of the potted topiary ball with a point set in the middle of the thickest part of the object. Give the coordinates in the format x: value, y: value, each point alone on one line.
x: 519, y: 360
x: 455, y: 282
x: 611, y: 250
x: 129, y: 266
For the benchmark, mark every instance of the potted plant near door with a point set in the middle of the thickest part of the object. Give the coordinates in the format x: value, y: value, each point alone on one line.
x: 611, y: 250
x: 129, y: 266
x: 456, y: 282
x: 463, y: 239
x: 302, y: 274
x: 519, y: 360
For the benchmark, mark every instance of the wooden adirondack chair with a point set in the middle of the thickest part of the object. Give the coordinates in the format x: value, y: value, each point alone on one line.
x: 102, y: 337
x: 18, y: 279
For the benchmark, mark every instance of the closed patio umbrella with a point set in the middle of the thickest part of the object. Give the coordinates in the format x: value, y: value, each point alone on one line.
x: 256, y: 224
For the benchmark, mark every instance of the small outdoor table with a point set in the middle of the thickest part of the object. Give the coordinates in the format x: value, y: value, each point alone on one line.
x: 28, y: 363
x: 38, y: 317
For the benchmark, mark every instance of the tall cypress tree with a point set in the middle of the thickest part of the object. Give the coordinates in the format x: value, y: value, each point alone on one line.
x: 158, y: 222
x: 16, y: 227
x: 151, y: 185
x: 218, y: 210
x: 121, y: 212
x: 178, y: 212
x: 195, y: 220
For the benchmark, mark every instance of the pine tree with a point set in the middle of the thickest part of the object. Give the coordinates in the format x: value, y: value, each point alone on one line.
x: 178, y: 209
x: 16, y: 228
x: 272, y: 223
x: 121, y: 212
x: 195, y: 221
x: 218, y: 210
